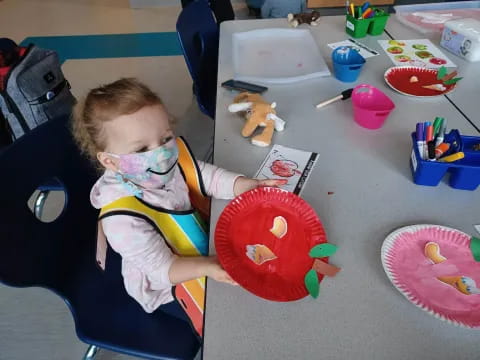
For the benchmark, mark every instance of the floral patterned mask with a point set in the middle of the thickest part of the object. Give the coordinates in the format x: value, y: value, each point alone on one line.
x: 150, y: 168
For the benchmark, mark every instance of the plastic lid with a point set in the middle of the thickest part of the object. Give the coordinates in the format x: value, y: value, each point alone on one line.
x: 468, y: 27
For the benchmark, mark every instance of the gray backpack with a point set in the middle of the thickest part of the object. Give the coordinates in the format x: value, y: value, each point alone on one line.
x: 34, y: 91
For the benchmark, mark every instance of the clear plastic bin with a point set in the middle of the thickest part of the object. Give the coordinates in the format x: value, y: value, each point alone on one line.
x: 430, y: 18
x: 277, y: 56
x: 462, y: 37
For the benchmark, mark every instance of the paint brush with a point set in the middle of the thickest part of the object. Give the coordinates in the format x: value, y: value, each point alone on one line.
x: 343, y: 96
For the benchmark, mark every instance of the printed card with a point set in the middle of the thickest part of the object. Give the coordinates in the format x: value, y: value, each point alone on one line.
x: 286, y: 163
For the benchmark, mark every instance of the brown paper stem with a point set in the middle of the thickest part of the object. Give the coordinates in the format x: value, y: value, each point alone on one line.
x: 324, y: 268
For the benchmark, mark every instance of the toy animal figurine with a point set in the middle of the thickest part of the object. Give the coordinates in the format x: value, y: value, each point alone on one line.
x: 303, y: 18
x: 258, y: 113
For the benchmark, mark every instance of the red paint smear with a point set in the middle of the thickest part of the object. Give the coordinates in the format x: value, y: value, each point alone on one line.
x: 284, y: 168
x: 400, y: 79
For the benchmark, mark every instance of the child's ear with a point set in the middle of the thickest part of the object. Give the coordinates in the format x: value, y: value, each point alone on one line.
x: 108, y: 161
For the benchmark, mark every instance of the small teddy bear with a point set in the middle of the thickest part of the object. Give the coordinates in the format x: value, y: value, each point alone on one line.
x: 258, y: 113
x: 303, y: 18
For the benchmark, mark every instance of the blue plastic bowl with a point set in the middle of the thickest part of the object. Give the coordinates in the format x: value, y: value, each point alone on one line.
x: 347, y: 64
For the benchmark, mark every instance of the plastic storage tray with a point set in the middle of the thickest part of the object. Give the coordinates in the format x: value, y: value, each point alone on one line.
x: 429, y: 18
x: 277, y: 56
x: 464, y: 173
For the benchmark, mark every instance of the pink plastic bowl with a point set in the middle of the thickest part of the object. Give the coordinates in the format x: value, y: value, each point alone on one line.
x: 371, y: 107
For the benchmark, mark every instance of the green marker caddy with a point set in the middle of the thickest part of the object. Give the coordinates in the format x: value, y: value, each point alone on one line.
x: 357, y: 28
x: 378, y: 22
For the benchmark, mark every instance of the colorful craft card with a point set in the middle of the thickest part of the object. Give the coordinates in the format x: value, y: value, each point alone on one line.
x: 419, y: 52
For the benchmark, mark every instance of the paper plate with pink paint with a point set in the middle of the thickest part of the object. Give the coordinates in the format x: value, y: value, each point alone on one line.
x: 434, y: 268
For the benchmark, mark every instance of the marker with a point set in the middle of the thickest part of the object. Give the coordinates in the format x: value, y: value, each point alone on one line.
x: 428, y: 138
x: 440, y: 137
x: 347, y: 6
x: 360, y: 12
x: 431, y: 150
x: 420, y: 142
x: 424, y: 142
x: 453, y: 157
x: 437, y: 124
x: 441, y: 149
x: 429, y: 133
x: 352, y: 9
x: 365, y: 6
x: 367, y: 13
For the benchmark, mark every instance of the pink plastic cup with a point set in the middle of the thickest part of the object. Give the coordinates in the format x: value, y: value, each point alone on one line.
x: 371, y: 107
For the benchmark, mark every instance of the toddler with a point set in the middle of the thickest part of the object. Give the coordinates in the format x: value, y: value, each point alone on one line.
x: 281, y: 8
x: 145, y: 194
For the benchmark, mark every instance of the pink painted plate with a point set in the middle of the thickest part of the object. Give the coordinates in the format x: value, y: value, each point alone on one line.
x: 445, y: 284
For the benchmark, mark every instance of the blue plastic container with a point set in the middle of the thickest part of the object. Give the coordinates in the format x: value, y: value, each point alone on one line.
x: 464, y: 173
x: 347, y: 63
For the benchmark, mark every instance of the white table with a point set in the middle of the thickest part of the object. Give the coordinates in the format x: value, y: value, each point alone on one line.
x: 359, y: 314
x: 467, y: 95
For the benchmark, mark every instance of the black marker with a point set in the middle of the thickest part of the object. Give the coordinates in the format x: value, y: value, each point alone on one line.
x: 431, y: 150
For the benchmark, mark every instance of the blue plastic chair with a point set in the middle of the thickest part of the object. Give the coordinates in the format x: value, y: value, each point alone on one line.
x: 60, y: 255
x: 198, y: 34
x: 222, y: 9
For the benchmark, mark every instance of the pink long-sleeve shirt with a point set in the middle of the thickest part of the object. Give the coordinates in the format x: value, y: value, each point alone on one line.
x: 146, y: 258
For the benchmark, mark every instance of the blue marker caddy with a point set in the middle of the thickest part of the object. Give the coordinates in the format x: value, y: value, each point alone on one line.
x: 464, y: 173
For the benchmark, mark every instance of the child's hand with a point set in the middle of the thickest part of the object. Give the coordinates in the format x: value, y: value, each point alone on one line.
x: 243, y: 184
x: 216, y: 272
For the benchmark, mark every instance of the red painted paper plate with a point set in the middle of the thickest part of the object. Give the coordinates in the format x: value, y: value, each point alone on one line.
x: 399, y: 79
x: 263, y: 238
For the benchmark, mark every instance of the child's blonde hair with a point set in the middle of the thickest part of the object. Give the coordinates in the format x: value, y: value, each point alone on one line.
x: 105, y: 103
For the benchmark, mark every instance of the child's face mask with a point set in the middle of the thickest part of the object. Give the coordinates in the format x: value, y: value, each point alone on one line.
x: 149, y: 168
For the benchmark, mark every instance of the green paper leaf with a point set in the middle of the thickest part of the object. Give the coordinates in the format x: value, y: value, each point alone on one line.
x: 475, y: 247
x: 311, y: 283
x: 323, y: 250
x: 452, y: 81
x: 441, y: 72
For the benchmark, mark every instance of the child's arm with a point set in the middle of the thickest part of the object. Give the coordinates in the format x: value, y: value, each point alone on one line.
x: 243, y: 184
x: 142, y: 246
x: 223, y: 184
x: 188, y: 268
x: 218, y: 182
